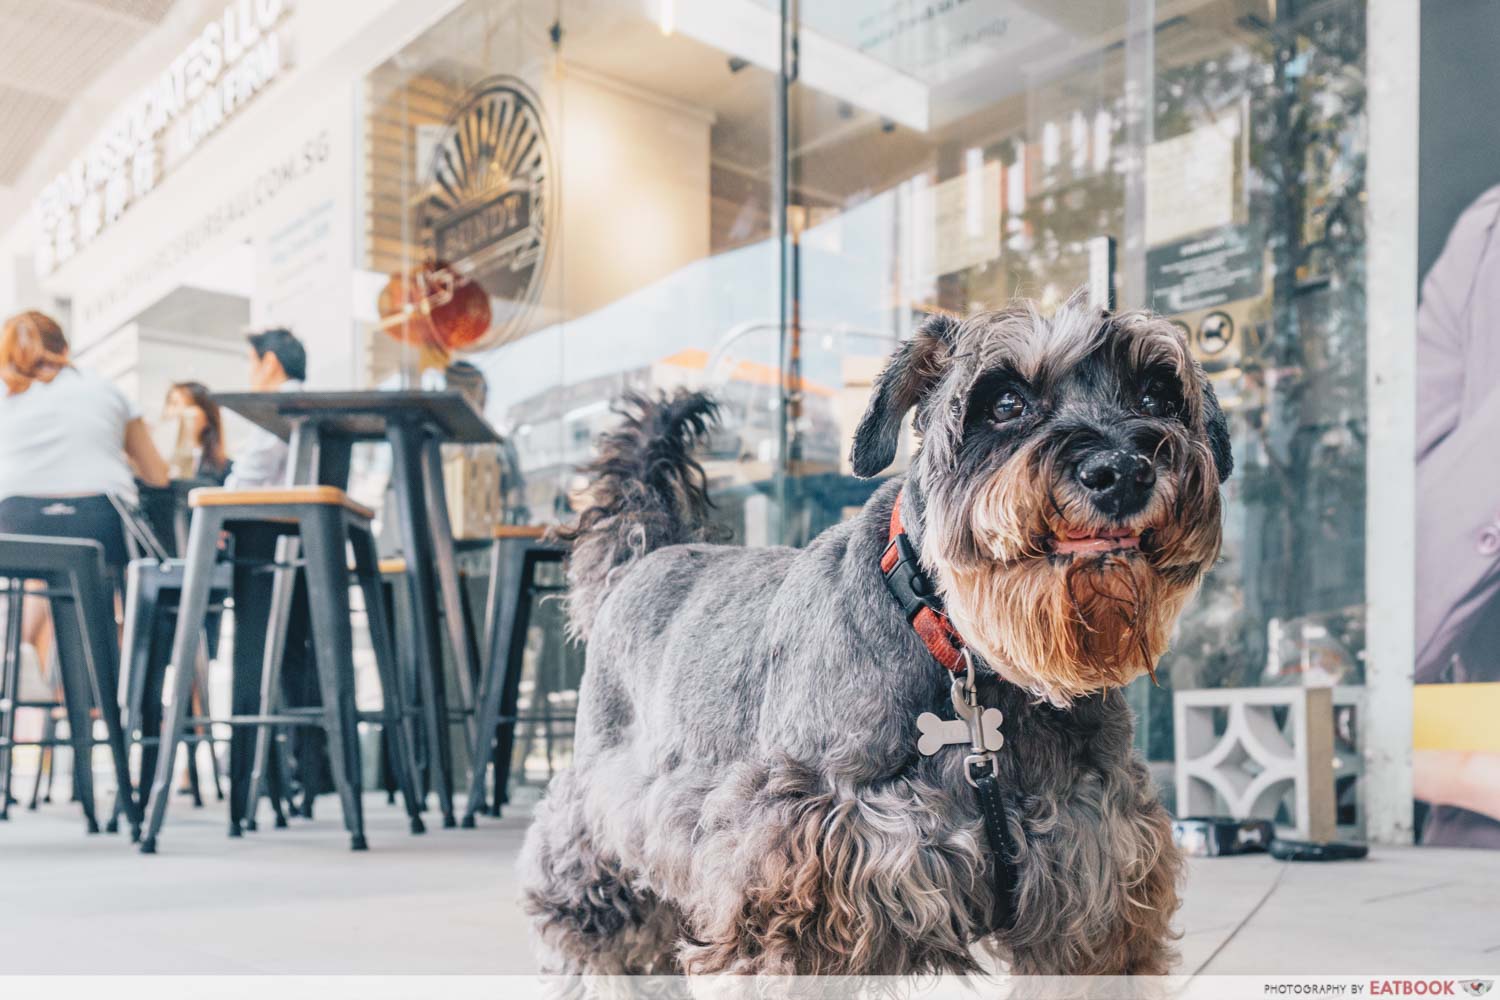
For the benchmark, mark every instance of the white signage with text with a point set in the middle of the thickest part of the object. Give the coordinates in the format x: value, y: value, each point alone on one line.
x: 231, y: 60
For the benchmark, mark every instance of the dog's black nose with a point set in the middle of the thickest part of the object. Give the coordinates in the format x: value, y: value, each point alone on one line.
x: 1118, y: 481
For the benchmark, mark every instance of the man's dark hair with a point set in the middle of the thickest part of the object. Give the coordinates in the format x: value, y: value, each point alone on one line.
x: 287, y: 348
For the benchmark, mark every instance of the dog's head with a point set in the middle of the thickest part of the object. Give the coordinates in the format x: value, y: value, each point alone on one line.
x: 1067, y: 488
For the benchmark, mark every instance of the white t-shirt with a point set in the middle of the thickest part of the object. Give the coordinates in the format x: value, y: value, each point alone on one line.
x: 262, y: 460
x: 66, y: 438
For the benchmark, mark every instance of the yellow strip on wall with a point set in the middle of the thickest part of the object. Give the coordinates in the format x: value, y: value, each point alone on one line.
x: 1456, y: 717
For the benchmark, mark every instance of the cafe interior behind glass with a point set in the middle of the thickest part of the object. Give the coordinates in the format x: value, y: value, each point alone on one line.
x: 687, y: 201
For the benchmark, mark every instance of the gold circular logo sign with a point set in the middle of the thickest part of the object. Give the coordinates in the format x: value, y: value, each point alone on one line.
x: 491, y: 201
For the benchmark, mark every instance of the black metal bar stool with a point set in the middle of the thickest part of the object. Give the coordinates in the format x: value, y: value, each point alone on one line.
x: 393, y: 576
x: 158, y: 527
x: 462, y: 672
x: 517, y: 552
x: 83, y: 618
x: 153, y: 589
x: 324, y: 522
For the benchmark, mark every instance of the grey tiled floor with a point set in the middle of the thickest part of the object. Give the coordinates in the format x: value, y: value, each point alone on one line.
x: 296, y: 901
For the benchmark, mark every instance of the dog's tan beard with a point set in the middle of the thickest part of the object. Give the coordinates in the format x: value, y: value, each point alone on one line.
x: 1065, y: 627
x: 1064, y: 631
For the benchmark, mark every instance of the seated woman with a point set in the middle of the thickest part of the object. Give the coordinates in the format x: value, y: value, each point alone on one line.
x: 199, y: 452
x: 71, y: 442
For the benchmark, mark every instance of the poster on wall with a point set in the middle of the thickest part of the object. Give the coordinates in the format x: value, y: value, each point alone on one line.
x: 1456, y: 743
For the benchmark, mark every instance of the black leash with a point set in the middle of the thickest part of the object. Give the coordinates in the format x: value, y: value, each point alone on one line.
x: 1002, y: 852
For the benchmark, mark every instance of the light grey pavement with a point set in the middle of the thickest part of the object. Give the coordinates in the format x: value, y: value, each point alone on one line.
x: 297, y: 901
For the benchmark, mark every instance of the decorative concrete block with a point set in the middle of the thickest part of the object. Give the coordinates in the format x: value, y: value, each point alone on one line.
x: 1257, y: 761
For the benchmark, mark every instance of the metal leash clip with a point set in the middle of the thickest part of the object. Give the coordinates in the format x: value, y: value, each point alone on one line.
x: 985, y: 737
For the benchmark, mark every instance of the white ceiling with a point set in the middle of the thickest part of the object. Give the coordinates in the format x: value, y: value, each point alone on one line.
x: 50, y: 51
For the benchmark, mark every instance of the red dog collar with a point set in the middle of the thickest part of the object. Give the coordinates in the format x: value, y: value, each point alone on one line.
x: 915, y: 592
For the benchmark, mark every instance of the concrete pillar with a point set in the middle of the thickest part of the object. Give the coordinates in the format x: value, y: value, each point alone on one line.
x: 1390, y: 513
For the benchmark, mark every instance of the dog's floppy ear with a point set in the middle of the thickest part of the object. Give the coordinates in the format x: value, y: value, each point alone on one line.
x: 1217, y: 427
x: 912, y: 370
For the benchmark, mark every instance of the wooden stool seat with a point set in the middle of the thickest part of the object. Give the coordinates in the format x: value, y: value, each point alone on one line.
x: 325, y: 496
x: 533, y: 532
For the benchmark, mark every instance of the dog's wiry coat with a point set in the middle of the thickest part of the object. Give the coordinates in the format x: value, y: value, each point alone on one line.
x: 746, y: 795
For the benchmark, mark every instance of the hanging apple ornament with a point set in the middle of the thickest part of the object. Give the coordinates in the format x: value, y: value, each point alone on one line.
x: 435, y: 307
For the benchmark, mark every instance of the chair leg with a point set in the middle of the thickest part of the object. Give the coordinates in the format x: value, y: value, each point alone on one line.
x: 387, y: 768
x: 49, y: 733
x: 283, y: 588
x: 410, y: 664
x: 446, y: 564
x: 10, y: 689
x: 208, y: 730
x: 387, y: 761
x: 202, y: 551
x: 507, y: 592
x: 202, y: 735
x: 328, y: 593
x: 51, y: 770
x: 36, y: 779
x: 406, y: 443
x: 195, y: 783
x: 136, y: 644
x: 277, y: 785
x: 396, y: 729
x: 515, y: 658
x: 72, y: 655
x: 95, y: 621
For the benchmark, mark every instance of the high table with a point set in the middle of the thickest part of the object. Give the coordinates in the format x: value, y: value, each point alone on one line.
x: 322, y: 428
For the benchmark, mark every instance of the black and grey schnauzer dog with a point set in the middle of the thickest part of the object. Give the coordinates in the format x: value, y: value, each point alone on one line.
x: 747, y: 793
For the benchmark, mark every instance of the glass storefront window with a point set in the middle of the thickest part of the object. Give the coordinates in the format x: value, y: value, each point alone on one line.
x: 611, y: 175
x: 1286, y: 350
x: 1010, y: 136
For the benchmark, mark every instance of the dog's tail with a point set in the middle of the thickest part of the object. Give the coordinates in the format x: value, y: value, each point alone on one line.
x: 645, y: 491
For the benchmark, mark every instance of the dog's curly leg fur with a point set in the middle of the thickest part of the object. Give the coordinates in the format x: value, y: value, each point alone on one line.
x: 850, y: 881
x: 1099, y: 882
x: 589, y: 915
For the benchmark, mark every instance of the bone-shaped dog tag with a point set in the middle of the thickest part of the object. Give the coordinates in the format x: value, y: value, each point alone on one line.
x: 937, y: 733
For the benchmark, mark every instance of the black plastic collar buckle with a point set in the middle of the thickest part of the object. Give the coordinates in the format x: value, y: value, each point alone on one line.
x: 912, y: 588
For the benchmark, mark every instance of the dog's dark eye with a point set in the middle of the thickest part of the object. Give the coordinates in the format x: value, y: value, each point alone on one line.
x: 1008, y: 406
x: 1158, y: 399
